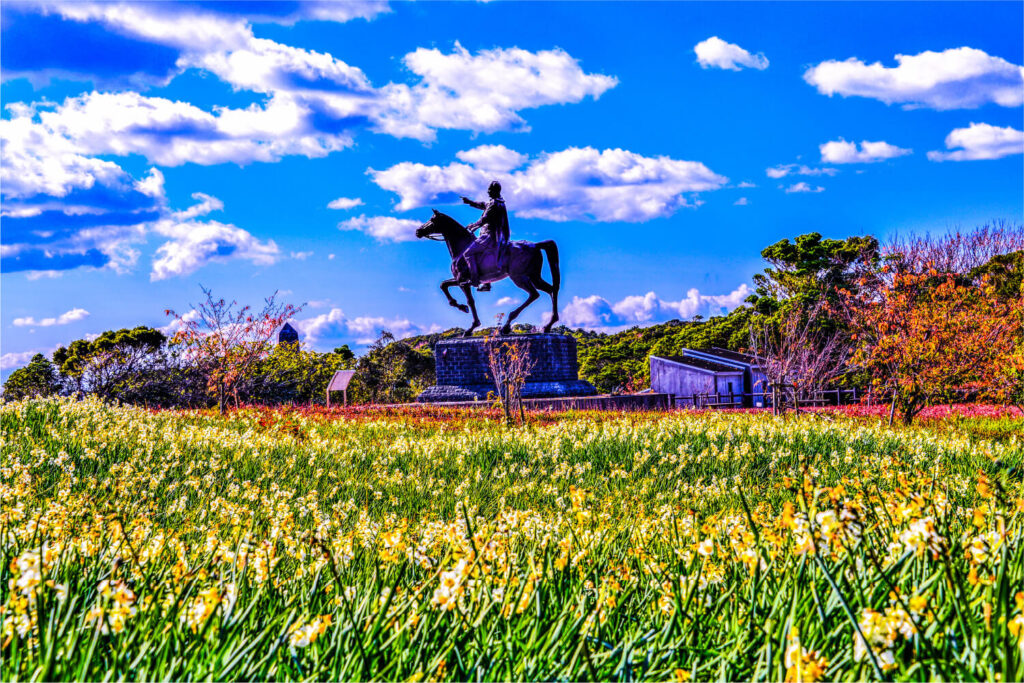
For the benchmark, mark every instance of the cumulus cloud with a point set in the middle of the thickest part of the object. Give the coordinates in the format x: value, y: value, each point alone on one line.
x: 171, y: 132
x: 742, y: 201
x: 842, y: 152
x: 344, y: 203
x: 980, y: 141
x: 803, y: 187
x: 460, y: 90
x: 715, y: 52
x: 784, y: 170
x: 383, y: 228
x: 316, y: 102
x: 335, y: 325
x: 206, y: 205
x: 493, y: 158
x: 193, y: 244
x: 74, y: 315
x: 958, y: 78
x: 62, y: 209
x: 178, y: 324
x: 9, y: 361
x: 596, y: 312
x: 573, y: 184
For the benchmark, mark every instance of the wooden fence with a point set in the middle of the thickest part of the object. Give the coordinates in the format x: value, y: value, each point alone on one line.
x: 765, y: 399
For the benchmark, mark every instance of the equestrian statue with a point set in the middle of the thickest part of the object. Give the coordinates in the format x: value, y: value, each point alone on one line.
x: 491, y: 257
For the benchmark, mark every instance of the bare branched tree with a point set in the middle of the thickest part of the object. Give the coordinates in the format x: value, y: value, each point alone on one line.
x: 956, y: 252
x: 225, y: 340
x: 510, y: 364
x: 797, y: 355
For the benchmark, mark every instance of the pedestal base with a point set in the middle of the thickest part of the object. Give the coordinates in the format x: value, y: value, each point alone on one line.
x: 463, y: 373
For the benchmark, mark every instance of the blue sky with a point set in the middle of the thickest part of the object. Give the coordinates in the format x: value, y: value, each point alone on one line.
x: 148, y: 148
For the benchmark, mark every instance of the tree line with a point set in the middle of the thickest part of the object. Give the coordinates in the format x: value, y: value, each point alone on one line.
x: 918, y: 320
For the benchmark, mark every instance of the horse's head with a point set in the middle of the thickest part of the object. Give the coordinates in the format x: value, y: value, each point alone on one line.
x: 435, y: 226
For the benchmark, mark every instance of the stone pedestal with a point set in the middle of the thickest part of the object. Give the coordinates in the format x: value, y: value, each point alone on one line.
x: 463, y: 373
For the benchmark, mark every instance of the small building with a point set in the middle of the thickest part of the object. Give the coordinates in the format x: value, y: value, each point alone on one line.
x: 755, y: 383
x: 696, y: 381
x: 288, y: 335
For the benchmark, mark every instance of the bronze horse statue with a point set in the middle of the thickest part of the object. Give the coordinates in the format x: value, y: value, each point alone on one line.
x: 525, y: 260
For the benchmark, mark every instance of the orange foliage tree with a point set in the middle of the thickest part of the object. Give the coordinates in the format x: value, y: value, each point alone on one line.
x: 931, y: 335
x: 225, y: 341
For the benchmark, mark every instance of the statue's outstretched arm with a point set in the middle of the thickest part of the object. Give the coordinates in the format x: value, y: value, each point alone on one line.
x: 475, y: 205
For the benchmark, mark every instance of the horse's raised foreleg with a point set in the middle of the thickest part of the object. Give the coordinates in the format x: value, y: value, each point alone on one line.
x: 451, y: 300
x: 524, y: 283
x: 472, y: 308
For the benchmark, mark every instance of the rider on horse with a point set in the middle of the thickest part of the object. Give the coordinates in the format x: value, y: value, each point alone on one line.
x: 493, y: 226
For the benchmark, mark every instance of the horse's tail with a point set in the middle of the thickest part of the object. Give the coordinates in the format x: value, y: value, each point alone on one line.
x: 551, y: 249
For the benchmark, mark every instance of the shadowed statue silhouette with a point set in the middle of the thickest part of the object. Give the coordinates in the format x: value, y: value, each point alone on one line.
x: 522, y: 265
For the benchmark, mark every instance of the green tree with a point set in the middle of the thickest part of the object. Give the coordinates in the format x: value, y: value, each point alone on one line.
x: 37, y: 379
x: 393, y: 371
x: 811, y: 270
x: 113, y: 363
x: 291, y: 374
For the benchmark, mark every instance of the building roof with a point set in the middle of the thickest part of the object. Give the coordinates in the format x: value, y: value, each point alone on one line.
x: 701, y: 364
x: 734, y: 355
x: 726, y: 355
x: 287, y: 334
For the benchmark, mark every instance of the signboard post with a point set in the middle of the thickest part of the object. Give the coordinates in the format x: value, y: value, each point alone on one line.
x: 340, y: 383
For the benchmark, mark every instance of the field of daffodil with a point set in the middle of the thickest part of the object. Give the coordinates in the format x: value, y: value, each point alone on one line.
x: 282, y: 545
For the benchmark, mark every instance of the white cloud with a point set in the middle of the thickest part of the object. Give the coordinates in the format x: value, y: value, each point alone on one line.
x: 493, y: 158
x: 300, y: 255
x: 842, y: 152
x: 783, y: 170
x: 199, y: 28
x: 33, y: 275
x: 315, y: 103
x: 206, y: 205
x: 573, y: 184
x: 171, y: 133
x: 505, y: 301
x: 9, y: 361
x: 194, y: 244
x: 62, y: 209
x: 596, y: 312
x: 803, y: 187
x: 959, y: 78
x: 461, y: 90
x: 454, y: 90
x: 742, y: 201
x: 746, y: 184
x: 343, y: 203
x: 383, y: 228
x: 980, y: 141
x: 74, y: 315
x: 176, y: 324
x: 331, y: 324
x: 335, y: 325
x: 715, y: 52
